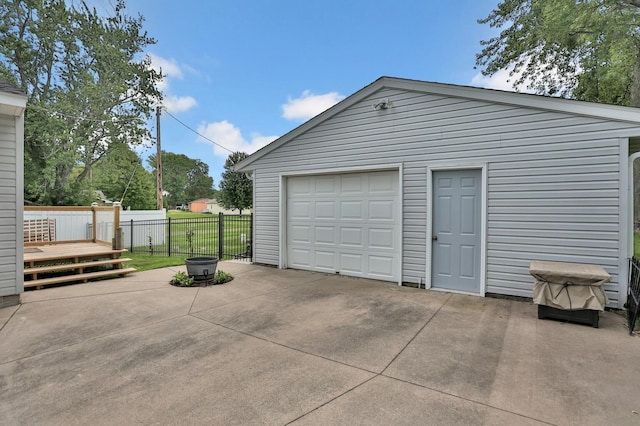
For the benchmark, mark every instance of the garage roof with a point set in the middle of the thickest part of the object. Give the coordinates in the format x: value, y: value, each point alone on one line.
x: 12, y: 100
x: 548, y: 103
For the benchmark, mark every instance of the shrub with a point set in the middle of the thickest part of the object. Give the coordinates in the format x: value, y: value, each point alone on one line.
x: 182, y: 279
x: 222, y: 277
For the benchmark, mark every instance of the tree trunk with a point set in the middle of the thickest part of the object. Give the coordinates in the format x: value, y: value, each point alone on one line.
x: 634, y: 90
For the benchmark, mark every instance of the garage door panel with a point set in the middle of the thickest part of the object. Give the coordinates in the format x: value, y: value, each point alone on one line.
x: 351, y: 263
x: 352, y: 184
x: 351, y: 237
x: 325, y: 260
x: 381, y: 238
x: 326, y: 185
x: 352, y: 210
x: 383, y: 183
x: 299, y: 186
x: 381, y: 266
x: 300, y: 233
x: 345, y: 223
x: 381, y: 210
x: 325, y: 210
x: 299, y: 209
x: 300, y: 257
x: 325, y: 235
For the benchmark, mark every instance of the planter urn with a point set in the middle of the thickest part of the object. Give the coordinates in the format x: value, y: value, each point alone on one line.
x: 201, y: 267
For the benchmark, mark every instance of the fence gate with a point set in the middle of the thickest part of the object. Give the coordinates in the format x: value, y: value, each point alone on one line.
x: 633, y: 296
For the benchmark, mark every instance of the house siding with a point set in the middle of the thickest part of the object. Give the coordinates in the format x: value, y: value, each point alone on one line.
x: 553, y: 178
x: 9, y: 213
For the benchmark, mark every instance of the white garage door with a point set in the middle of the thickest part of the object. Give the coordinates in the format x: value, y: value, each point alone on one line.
x: 347, y: 223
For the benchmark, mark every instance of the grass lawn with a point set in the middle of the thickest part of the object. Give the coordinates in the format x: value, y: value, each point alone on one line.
x: 179, y: 214
x: 636, y: 244
x: 193, y: 234
x: 145, y: 262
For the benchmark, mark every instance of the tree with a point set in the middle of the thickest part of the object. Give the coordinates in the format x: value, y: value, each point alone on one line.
x: 121, y: 177
x: 89, y: 89
x: 588, y: 49
x: 184, y: 178
x: 236, y: 189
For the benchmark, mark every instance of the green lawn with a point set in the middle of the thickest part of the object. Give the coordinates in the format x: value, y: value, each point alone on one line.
x: 178, y: 214
x: 192, y: 234
x: 145, y: 262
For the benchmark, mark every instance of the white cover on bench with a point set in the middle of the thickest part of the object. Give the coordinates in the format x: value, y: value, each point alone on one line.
x: 569, y: 286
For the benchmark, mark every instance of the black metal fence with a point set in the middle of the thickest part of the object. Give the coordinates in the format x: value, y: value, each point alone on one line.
x: 223, y: 236
x: 633, y: 296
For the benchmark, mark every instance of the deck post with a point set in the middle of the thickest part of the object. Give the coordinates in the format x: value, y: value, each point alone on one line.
x: 116, y: 219
x: 94, y: 231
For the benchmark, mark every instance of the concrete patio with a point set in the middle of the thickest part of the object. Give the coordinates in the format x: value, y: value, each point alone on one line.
x: 283, y: 346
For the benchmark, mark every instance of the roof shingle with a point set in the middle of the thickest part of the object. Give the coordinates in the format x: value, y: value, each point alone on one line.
x: 7, y: 87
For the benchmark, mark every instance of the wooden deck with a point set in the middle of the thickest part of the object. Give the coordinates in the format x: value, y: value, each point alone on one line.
x: 69, y: 261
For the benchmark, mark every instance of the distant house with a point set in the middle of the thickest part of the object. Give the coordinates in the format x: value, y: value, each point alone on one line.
x: 215, y: 208
x: 449, y: 187
x: 198, y: 205
x: 211, y: 206
x: 12, y: 106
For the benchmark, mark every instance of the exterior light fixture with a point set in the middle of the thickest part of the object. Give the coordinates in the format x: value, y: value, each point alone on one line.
x: 382, y: 104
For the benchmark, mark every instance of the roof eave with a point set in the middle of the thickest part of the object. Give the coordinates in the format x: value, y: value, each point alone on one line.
x: 335, y: 109
x: 12, y: 104
x: 548, y: 103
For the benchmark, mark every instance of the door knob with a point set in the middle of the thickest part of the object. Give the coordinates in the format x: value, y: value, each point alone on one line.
x: 434, y: 238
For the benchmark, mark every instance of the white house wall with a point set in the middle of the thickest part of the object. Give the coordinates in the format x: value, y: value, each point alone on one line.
x: 553, y: 178
x: 8, y: 207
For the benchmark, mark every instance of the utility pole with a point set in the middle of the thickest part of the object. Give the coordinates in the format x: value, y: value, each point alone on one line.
x: 159, y: 159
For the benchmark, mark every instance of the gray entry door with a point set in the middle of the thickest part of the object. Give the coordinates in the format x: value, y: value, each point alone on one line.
x: 456, y: 237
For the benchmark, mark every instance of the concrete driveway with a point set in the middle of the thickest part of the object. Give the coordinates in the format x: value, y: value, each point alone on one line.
x: 280, y: 347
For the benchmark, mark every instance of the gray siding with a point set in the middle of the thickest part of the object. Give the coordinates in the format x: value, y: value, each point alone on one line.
x: 8, y: 213
x: 553, y: 178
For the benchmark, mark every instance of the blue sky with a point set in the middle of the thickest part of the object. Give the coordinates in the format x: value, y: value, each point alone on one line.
x: 243, y: 73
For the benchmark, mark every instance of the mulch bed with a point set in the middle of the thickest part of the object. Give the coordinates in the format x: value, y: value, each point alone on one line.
x: 201, y: 283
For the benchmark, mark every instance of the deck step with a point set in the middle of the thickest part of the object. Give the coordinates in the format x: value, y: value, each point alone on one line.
x: 75, y: 257
x: 65, y: 266
x: 78, y: 277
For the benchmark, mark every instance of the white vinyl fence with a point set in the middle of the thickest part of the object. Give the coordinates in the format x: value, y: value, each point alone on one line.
x: 145, y: 229
x: 76, y: 225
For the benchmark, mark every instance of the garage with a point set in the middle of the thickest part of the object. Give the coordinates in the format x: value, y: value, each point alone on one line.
x: 347, y: 223
x: 488, y: 182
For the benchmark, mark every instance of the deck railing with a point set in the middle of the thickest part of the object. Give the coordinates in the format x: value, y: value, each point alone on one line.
x: 103, y: 220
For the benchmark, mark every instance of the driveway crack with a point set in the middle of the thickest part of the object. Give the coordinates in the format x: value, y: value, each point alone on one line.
x: 416, y: 334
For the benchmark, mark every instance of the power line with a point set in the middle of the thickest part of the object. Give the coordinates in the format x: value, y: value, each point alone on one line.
x: 130, y: 119
x: 197, y: 133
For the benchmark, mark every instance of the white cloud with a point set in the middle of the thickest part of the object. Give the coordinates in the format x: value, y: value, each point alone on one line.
x: 171, y: 69
x: 229, y: 136
x: 553, y: 82
x: 309, y: 105
x: 175, y: 104
x: 501, y: 80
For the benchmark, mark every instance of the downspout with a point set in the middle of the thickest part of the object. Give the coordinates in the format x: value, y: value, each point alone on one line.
x: 630, y: 231
x: 630, y: 195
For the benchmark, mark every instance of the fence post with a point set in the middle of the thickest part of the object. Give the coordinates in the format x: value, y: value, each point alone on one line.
x: 169, y: 238
x: 131, y: 240
x: 220, y: 235
x: 251, y: 237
